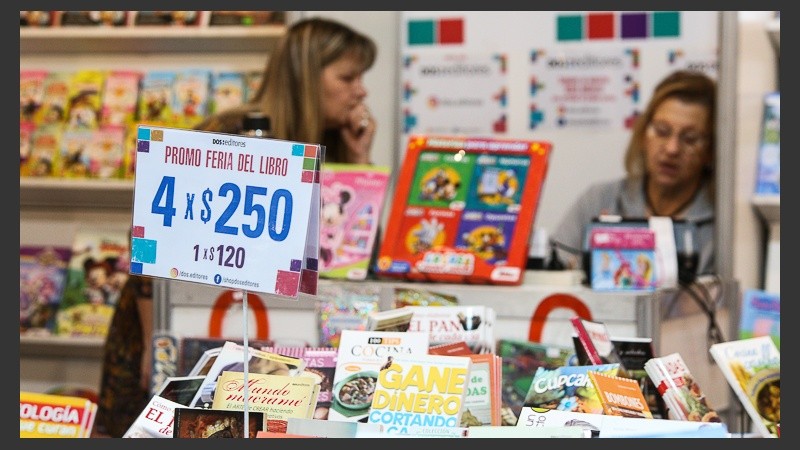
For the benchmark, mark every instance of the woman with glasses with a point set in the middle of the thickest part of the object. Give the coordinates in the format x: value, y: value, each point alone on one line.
x: 669, y: 164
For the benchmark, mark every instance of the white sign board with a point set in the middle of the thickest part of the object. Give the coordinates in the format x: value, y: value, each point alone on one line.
x: 226, y: 210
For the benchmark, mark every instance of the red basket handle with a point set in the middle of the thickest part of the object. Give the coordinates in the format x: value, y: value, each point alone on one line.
x: 547, y: 305
x: 224, y: 303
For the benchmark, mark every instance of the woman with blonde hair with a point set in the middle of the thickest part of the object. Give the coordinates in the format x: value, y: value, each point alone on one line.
x: 313, y: 91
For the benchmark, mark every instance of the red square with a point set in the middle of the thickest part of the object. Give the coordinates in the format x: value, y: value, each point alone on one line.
x: 137, y: 231
x: 601, y: 26
x: 308, y: 281
x: 310, y: 151
x: 307, y: 176
x: 451, y: 31
x: 287, y: 283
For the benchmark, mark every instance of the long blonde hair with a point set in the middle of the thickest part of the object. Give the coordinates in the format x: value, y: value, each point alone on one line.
x: 290, y: 89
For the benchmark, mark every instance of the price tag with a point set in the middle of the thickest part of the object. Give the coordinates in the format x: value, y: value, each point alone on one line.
x: 226, y: 210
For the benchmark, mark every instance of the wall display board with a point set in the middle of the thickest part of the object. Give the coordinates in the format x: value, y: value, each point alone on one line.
x: 576, y: 79
x: 463, y: 210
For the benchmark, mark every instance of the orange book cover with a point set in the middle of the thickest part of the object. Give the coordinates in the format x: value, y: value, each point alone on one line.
x: 620, y: 396
x: 463, y: 210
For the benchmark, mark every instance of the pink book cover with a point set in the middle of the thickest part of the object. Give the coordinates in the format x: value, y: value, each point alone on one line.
x: 352, y: 200
x: 31, y: 93
x: 119, y: 97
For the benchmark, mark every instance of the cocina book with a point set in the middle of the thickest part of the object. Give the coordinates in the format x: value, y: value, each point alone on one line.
x: 752, y: 368
x: 361, y: 355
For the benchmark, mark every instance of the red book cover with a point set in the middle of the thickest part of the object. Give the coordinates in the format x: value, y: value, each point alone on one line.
x: 463, y: 210
x: 586, y: 341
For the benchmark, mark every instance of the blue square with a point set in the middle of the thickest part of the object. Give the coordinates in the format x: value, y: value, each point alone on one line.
x: 143, y: 134
x: 312, y: 264
x: 298, y: 150
x: 143, y: 250
x: 136, y: 268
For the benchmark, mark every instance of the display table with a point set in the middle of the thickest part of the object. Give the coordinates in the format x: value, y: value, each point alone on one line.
x: 669, y: 317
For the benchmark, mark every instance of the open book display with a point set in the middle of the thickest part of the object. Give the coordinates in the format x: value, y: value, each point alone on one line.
x: 463, y: 210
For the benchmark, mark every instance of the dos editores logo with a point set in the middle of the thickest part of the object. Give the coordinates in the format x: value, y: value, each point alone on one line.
x: 173, y: 272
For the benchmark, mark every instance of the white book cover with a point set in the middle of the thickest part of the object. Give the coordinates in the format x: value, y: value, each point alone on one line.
x: 155, y: 421
x: 444, y: 324
x: 495, y: 431
x: 231, y: 358
x: 605, y: 426
x: 361, y: 355
x: 753, y: 370
x: 418, y: 394
x: 330, y: 428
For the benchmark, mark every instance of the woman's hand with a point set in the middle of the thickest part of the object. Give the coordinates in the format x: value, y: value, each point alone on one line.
x: 358, y: 135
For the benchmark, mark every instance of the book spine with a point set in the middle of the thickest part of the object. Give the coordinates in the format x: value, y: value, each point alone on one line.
x: 586, y: 341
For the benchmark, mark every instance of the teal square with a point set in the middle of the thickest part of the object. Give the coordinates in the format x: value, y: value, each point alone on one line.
x: 143, y: 250
x: 569, y: 28
x: 143, y: 134
x: 298, y: 149
x: 667, y: 24
x: 421, y: 32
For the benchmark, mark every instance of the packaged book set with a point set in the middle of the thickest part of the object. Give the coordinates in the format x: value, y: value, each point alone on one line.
x: 463, y: 210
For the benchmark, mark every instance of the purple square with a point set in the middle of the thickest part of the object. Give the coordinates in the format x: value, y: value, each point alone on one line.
x: 633, y: 25
x: 311, y: 264
x: 143, y: 146
x: 294, y: 266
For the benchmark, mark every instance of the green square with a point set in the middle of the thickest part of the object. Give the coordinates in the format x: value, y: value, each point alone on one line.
x: 569, y: 28
x: 421, y: 32
x: 666, y: 24
x: 309, y: 163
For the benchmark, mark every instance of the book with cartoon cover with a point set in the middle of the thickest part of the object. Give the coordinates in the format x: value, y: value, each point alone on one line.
x: 97, y: 270
x: 352, y: 202
x: 42, y: 278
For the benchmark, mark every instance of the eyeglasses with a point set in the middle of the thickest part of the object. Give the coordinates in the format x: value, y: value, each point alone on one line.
x: 690, y: 140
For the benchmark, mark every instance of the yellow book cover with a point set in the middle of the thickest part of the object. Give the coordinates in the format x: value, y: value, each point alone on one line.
x: 279, y: 397
x: 54, y: 416
x: 420, y: 395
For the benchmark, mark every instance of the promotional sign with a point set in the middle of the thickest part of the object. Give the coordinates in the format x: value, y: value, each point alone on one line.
x: 226, y: 210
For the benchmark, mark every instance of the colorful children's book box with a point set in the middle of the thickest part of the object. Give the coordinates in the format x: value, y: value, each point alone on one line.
x: 463, y: 210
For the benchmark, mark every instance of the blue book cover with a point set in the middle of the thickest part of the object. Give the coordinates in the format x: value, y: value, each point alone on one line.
x: 760, y: 315
x: 568, y: 388
x: 768, y: 177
